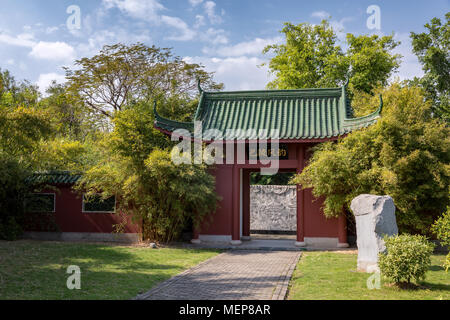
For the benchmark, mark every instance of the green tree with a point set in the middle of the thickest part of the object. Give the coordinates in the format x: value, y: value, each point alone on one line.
x: 13, y: 94
x: 405, y: 155
x: 69, y: 117
x: 311, y: 58
x: 13, y: 190
x: 433, y: 51
x: 22, y: 122
x: 134, y: 136
x: 7, y: 84
x: 60, y: 154
x: 133, y: 167
x: 21, y: 129
x: 121, y: 74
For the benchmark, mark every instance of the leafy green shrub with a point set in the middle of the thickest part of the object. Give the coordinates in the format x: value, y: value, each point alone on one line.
x: 10, y: 230
x: 13, y: 189
x: 441, y: 228
x: 406, y: 257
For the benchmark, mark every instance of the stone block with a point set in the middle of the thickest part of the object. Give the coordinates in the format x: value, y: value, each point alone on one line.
x: 375, y: 218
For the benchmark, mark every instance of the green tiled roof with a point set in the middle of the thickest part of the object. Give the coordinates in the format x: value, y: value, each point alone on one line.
x: 53, y: 177
x: 298, y: 114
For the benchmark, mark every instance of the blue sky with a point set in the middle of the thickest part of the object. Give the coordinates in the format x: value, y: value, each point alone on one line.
x: 226, y: 36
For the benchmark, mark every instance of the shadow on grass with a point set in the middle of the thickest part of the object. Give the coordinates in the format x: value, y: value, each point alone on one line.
x: 423, y: 285
x: 37, y: 270
x: 434, y: 286
x: 436, y: 268
x: 95, y: 255
x: 127, y: 258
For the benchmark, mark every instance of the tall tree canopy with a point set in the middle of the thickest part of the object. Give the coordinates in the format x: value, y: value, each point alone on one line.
x: 120, y: 74
x: 433, y: 51
x: 13, y: 93
x: 22, y: 123
x: 311, y: 58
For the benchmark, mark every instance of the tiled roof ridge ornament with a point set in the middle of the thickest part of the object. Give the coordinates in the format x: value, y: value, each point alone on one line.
x: 199, y: 87
x: 346, y: 82
x: 380, y: 108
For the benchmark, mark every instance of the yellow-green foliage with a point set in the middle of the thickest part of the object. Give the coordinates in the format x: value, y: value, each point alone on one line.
x: 21, y: 129
x: 135, y: 165
x: 441, y: 228
x: 58, y: 154
x: 406, y: 257
x: 310, y: 57
x: 405, y: 155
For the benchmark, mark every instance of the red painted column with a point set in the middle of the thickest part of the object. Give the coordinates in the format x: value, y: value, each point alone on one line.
x: 246, y: 204
x: 235, y: 233
x: 342, y: 231
x: 300, y: 200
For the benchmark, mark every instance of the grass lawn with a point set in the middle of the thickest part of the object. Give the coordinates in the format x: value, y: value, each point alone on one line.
x: 328, y: 276
x: 37, y: 270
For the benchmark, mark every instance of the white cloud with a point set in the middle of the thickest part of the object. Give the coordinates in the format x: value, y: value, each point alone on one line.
x: 46, y: 79
x: 149, y: 10
x: 50, y: 30
x: 199, y: 21
x: 185, y: 32
x: 214, y: 36
x: 145, y: 10
x: 245, y: 48
x: 237, y: 73
x: 195, y: 2
x: 107, y: 37
x: 60, y: 51
x: 320, y: 14
x: 22, y: 40
x: 210, y: 10
x: 337, y: 25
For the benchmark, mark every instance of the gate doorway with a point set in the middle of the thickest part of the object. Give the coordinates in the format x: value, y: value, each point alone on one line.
x: 272, y: 206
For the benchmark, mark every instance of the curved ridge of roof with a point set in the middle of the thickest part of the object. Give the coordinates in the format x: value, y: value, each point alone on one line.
x: 169, y: 124
x: 298, y: 114
x: 364, y: 121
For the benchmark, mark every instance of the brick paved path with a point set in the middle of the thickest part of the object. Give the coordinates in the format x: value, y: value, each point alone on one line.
x: 259, y: 275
